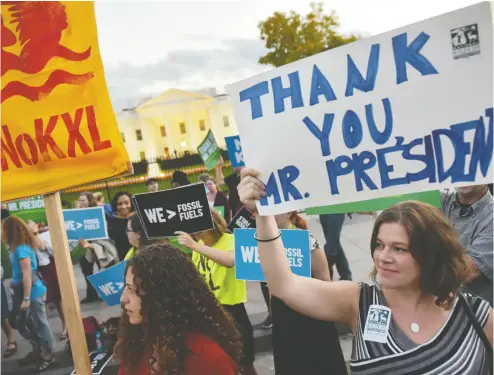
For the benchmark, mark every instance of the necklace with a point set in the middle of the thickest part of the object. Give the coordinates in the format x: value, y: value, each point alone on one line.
x: 414, y: 326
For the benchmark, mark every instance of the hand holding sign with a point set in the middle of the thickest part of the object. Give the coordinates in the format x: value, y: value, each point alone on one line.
x: 186, y: 240
x: 250, y: 189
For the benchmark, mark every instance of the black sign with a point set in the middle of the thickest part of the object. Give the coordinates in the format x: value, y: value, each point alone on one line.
x: 244, y: 219
x: 98, y: 362
x: 183, y: 209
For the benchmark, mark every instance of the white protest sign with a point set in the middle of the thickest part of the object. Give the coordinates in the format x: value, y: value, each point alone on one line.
x: 402, y: 112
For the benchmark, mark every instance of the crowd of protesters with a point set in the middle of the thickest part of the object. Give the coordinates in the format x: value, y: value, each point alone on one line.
x: 184, y: 311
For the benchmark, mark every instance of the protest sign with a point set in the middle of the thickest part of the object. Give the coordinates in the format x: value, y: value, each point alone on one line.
x: 374, y: 118
x: 244, y: 219
x: 220, y: 210
x: 209, y: 151
x: 87, y: 223
x: 58, y: 126
x: 110, y: 283
x: 185, y: 209
x: 29, y: 209
x: 98, y: 362
x: 235, y: 151
x: 248, y: 265
x: 431, y: 197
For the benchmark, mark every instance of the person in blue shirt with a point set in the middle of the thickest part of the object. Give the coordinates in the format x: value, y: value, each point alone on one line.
x: 35, y: 328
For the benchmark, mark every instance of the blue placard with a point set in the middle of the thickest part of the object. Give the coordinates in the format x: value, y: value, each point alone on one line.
x: 235, y: 151
x: 110, y: 283
x: 87, y: 223
x: 247, y: 264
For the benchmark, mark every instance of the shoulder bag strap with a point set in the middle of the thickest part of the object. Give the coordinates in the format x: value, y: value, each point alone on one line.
x: 475, y: 322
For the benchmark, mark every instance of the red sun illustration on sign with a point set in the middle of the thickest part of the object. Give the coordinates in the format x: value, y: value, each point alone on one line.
x: 39, y: 25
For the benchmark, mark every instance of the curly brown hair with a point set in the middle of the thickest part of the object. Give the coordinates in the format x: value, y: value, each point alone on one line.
x: 175, y: 302
x: 433, y: 243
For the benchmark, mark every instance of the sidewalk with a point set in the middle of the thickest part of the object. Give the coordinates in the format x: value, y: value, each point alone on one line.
x: 355, y: 239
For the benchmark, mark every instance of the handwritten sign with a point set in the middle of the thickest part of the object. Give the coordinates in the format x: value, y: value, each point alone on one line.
x: 183, y: 209
x: 87, y: 223
x: 110, y: 283
x: 383, y: 116
x: 248, y: 265
x: 235, y: 151
x: 58, y: 126
x: 209, y: 150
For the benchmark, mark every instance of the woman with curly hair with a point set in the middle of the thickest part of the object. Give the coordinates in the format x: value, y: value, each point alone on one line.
x: 172, y: 324
x: 214, y: 258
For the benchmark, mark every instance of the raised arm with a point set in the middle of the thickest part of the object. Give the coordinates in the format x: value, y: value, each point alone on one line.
x: 220, y: 177
x: 332, y: 301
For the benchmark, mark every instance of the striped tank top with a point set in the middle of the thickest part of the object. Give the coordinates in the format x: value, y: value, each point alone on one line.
x: 455, y: 349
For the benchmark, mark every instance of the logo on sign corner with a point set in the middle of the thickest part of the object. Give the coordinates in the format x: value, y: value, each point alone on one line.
x: 40, y: 25
x: 465, y: 41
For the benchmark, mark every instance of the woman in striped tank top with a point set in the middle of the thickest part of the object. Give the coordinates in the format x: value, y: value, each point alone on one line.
x: 413, y: 320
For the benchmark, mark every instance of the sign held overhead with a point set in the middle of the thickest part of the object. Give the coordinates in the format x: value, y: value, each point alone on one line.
x: 374, y: 118
x: 234, y: 148
x: 183, y: 209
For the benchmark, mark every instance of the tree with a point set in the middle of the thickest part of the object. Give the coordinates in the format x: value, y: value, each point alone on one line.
x: 290, y: 38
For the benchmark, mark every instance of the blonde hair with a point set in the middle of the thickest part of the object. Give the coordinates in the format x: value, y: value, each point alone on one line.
x: 219, y: 222
x: 98, y: 196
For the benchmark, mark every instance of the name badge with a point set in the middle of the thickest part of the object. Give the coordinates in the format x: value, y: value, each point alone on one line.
x: 377, y: 324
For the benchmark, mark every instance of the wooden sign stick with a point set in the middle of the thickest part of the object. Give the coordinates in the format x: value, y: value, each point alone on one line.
x: 68, y: 288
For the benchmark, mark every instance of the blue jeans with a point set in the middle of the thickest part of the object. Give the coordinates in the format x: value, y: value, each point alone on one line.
x: 37, y: 329
x: 331, y: 226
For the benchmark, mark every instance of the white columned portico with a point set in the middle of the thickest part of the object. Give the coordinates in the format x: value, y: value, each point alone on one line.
x: 150, y: 149
x: 212, y: 123
x: 169, y: 136
x: 191, y: 134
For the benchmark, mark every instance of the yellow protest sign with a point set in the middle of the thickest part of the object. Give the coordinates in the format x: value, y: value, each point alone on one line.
x: 58, y: 126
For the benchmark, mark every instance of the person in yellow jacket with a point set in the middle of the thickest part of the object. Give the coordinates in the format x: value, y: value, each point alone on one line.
x: 214, y: 258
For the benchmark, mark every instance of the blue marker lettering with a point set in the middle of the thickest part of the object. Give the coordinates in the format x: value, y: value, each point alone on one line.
x: 385, y: 169
x: 460, y: 150
x: 380, y: 137
x: 482, y: 147
x: 429, y: 171
x: 362, y: 162
x: 320, y: 86
x: 271, y: 190
x: 354, y: 77
x: 404, y: 54
x: 293, y: 91
x: 335, y: 169
x: 352, y: 129
x: 287, y: 175
x: 323, y: 135
x: 254, y: 94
